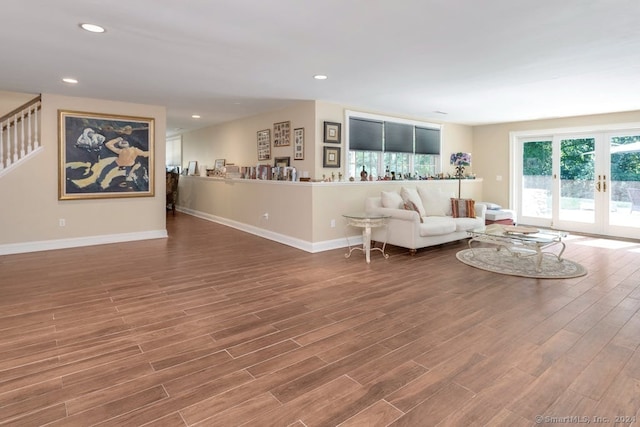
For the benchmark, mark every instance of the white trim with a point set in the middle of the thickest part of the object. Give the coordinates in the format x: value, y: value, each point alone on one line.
x: 572, y: 130
x: 351, y: 113
x: 359, y: 114
x: 312, y: 247
x: 26, y: 157
x: 48, y: 245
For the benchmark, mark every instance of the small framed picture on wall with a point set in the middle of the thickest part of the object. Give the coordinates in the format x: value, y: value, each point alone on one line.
x: 281, y: 134
x: 331, y: 157
x: 264, y: 144
x: 332, y: 132
x: 298, y: 144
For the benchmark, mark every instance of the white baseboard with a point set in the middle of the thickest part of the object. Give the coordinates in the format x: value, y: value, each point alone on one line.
x: 304, y: 245
x: 47, y: 245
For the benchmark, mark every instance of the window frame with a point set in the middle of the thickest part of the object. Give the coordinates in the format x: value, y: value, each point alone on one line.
x: 352, y: 155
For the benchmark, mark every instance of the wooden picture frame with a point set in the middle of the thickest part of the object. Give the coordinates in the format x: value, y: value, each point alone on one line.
x: 219, y: 164
x: 264, y: 144
x: 105, y: 156
x: 298, y: 144
x: 331, y: 157
x: 281, y: 162
x: 282, y: 134
x: 332, y: 132
x: 192, y: 167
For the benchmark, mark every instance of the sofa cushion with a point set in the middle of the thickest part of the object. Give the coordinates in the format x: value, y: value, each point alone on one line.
x: 462, y: 208
x: 391, y: 199
x: 411, y: 195
x: 437, y: 226
x: 467, y: 224
x: 435, y: 202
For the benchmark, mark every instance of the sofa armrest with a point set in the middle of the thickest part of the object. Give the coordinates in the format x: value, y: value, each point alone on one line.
x: 403, y: 214
x: 481, y: 210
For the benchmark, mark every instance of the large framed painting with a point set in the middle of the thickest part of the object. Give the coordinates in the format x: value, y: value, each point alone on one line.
x: 105, y: 156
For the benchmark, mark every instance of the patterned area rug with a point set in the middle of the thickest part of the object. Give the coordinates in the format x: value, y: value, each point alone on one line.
x: 504, y: 262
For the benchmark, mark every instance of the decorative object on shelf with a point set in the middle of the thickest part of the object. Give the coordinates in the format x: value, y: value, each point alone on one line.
x: 332, y: 132
x: 331, y: 157
x: 281, y: 134
x: 281, y: 162
x: 193, y: 167
x: 104, y: 156
x: 264, y: 144
x: 219, y: 164
x: 298, y: 144
x: 363, y: 174
x: 460, y: 160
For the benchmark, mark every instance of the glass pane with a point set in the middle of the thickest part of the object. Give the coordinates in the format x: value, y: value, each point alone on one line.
x: 624, y: 193
x: 577, y: 186
x: 396, y: 164
x: 537, y: 179
x: 358, y: 159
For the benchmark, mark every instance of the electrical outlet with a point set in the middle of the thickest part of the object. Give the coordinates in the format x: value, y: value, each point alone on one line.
x: 333, y: 223
x: 498, y: 177
x: 62, y: 222
x: 266, y: 216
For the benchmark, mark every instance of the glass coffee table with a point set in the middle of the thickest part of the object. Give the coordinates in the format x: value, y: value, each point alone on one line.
x: 520, y: 241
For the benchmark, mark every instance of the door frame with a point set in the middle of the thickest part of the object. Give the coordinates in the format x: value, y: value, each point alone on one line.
x: 555, y: 134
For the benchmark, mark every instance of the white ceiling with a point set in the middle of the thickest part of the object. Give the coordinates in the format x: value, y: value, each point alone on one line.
x: 479, y: 61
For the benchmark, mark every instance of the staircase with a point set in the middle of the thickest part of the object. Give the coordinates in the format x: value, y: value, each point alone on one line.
x: 19, y: 134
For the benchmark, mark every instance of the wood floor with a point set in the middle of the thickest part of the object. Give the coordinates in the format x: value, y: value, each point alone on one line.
x: 215, y: 327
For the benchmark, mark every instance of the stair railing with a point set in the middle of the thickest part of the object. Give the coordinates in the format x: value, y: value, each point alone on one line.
x: 19, y: 133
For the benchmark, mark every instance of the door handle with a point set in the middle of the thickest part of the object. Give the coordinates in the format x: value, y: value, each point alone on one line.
x: 598, y: 186
x: 604, y: 183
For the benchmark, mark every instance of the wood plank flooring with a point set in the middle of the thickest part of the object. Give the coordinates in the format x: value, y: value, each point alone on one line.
x: 215, y: 327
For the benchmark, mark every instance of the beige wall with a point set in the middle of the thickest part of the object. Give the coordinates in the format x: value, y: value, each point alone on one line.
x: 236, y: 141
x: 304, y: 215
x: 9, y: 101
x: 29, y: 193
x: 491, y: 147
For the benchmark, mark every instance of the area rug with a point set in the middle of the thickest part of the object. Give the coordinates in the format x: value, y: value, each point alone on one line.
x: 504, y: 262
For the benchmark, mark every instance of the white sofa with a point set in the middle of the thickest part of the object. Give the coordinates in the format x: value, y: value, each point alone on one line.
x: 405, y: 229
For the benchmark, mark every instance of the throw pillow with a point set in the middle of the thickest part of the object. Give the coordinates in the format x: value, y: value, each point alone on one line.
x: 491, y: 206
x: 411, y: 195
x: 435, y: 202
x: 410, y: 206
x: 462, y: 208
x: 391, y: 199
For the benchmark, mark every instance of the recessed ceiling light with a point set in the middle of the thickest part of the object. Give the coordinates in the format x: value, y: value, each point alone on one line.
x: 320, y: 77
x: 92, y: 28
x: 195, y: 116
x: 70, y: 80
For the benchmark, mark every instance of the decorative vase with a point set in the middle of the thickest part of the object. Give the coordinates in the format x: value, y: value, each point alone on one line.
x: 363, y: 175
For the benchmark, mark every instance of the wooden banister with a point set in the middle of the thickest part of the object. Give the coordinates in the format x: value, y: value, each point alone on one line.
x: 21, y: 108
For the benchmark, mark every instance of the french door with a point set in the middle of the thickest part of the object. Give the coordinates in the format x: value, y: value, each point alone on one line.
x: 583, y: 182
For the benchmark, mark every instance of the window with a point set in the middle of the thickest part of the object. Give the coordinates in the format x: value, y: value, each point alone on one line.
x: 383, y: 145
x: 174, y: 152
